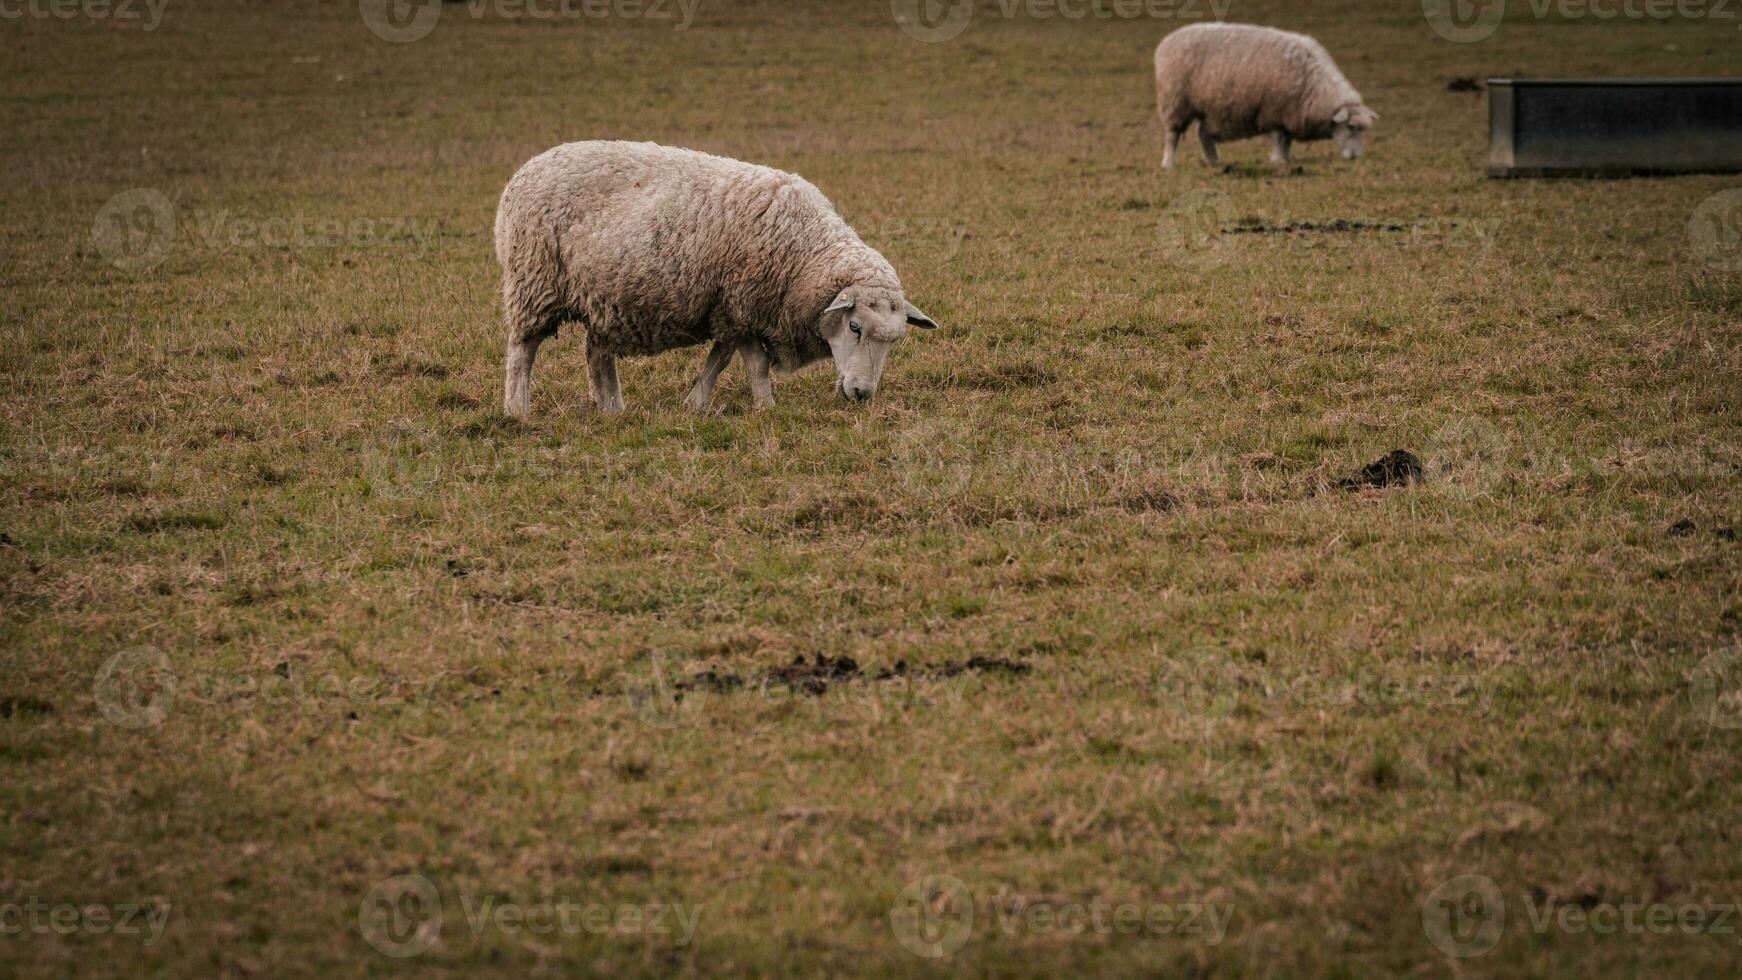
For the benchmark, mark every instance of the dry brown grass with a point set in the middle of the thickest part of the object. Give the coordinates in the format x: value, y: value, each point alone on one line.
x: 408, y: 637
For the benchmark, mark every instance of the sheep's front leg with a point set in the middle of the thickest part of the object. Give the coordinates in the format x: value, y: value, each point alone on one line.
x: 703, y: 392
x: 1279, y: 147
x: 756, y: 364
x: 1209, y: 145
x: 602, y: 376
x: 1171, y: 148
x: 517, y: 386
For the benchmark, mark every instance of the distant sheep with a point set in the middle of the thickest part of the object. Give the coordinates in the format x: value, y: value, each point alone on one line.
x: 649, y: 248
x: 1237, y: 80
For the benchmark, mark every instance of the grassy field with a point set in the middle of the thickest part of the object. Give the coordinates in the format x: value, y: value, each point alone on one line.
x: 311, y: 662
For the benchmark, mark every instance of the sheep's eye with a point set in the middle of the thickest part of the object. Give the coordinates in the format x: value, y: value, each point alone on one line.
x: 854, y: 326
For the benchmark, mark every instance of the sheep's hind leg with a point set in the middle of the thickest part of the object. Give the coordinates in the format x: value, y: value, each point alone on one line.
x: 602, y: 376
x: 1279, y: 148
x: 1209, y: 144
x: 1170, y: 150
x: 703, y: 392
x: 517, y: 386
x: 525, y: 333
x: 756, y: 365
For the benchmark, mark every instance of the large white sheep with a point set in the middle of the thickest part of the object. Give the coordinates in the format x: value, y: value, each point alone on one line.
x: 1237, y: 80
x: 650, y: 248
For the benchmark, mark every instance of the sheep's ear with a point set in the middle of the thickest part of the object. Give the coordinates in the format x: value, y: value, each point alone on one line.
x: 918, y: 319
x: 1341, y: 116
x: 844, y: 301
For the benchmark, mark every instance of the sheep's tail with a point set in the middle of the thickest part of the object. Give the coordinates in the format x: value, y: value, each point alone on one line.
x: 532, y: 277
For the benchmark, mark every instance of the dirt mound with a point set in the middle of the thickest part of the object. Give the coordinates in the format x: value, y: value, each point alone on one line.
x: 817, y: 674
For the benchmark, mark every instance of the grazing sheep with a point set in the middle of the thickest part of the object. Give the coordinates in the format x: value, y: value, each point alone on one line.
x: 1237, y: 80
x: 651, y: 248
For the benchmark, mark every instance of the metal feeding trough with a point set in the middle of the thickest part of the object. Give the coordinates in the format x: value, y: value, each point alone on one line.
x: 1613, y: 127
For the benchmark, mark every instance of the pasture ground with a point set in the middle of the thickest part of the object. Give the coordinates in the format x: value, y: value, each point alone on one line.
x: 287, y: 609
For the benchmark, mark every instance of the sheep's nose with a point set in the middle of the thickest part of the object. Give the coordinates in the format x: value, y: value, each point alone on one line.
x: 858, y: 393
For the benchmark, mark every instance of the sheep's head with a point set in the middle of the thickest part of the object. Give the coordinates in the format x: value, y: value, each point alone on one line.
x: 860, y: 326
x: 1349, y: 128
